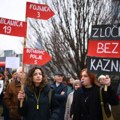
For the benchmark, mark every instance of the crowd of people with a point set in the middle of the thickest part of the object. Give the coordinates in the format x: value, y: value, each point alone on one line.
x: 75, y: 99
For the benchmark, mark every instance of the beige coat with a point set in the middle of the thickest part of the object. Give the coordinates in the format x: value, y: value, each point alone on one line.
x: 68, y: 106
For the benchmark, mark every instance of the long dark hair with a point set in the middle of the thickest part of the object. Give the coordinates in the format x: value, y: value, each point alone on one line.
x: 29, y: 78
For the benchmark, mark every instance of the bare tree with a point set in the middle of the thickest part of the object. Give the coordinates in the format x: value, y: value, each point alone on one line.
x: 115, y: 18
x: 65, y: 36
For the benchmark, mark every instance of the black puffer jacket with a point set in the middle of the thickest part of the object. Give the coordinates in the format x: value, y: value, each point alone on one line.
x: 29, y: 110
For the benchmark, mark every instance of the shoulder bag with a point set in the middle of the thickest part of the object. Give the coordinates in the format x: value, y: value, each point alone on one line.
x: 106, y: 116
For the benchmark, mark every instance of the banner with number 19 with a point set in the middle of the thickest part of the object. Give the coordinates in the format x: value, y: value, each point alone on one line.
x: 13, y: 27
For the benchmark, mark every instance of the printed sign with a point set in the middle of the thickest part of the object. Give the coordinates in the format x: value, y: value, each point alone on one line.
x: 108, y: 32
x: 13, y: 27
x: 104, y: 49
x: 1, y: 86
x: 12, y: 62
x: 35, y: 56
x: 103, y: 65
x: 38, y: 11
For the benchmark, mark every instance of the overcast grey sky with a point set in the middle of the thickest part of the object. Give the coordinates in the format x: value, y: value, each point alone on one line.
x: 12, y: 9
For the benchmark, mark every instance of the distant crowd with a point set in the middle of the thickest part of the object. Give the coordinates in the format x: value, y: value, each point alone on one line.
x: 65, y: 98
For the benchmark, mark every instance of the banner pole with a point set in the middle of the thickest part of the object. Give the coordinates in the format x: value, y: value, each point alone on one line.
x: 22, y: 84
x: 23, y: 75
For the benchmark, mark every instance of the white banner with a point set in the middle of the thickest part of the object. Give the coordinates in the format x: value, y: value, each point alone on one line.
x: 1, y: 86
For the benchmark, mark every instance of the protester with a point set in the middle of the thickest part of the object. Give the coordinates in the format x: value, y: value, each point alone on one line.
x: 10, y: 96
x: 36, y: 98
x: 76, y: 85
x: 14, y: 75
x: 101, y: 79
x: 60, y: 97
x: 86, y: 101
x: 6, y: 78
x: 70, y: 81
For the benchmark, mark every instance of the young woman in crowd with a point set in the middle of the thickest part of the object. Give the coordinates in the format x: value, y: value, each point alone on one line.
x: 35, y: 97
x: 86, y: 101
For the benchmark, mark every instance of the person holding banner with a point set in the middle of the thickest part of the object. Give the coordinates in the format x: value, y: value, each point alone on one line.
x: 36, y: 96
x: 86, y: 102
x: 10, y: 96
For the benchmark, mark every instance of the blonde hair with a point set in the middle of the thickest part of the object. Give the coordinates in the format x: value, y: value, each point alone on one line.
x: 101, y: 77
x: 76, y: 82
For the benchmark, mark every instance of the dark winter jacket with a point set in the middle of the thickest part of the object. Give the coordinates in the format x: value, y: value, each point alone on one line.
x: 86, y: 103
x: 59, y: 101
x: 31, y: 110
